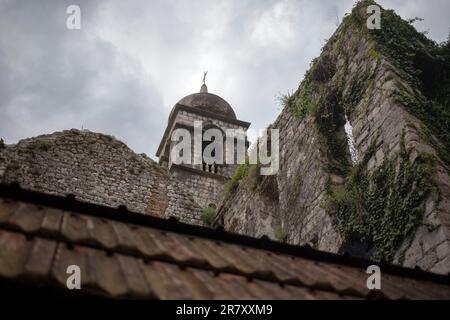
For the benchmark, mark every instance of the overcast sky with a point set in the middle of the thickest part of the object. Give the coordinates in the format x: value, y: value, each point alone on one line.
x: 133, y: 60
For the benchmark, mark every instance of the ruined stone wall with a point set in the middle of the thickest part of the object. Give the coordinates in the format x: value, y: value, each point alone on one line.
x: 253, y: 210
x: 393, y: 204
x: 382, y: 122
x: 96, y: 168
x: 302, y: 183
x: 296, y: 214
x: 391, y: 131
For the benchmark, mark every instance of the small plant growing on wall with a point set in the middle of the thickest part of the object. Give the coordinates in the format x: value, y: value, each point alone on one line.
x: 281, y: 235
x: 208, y: 214
x: 2, y: 144
x: 40, y: 145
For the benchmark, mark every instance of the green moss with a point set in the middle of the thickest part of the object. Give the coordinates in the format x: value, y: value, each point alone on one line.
x: 356, y: 91
x: 246, y: 171
x: 385, y: 207
x: 208, y: 215
x: 281, y: 234
x: 420, y: 62
x: 287, y: 100
x: 330, y: 123
x: 425, y: 66
x: 375, y: 54
x: 302, y: 103
x: 323, y: 69
x: 232, y: 185
x: 39, y: 145
x: 108, y: 137
x: 435, y: 116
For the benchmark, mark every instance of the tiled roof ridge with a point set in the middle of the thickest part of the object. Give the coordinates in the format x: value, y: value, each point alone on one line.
x: 343, y: 292
x: 122, y: 214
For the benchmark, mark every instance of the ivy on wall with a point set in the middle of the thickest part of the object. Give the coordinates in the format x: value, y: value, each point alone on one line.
x: 422, y: 64
x: 384, y: 207
x: 244, y: 172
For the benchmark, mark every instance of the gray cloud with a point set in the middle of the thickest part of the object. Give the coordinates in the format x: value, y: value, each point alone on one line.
x: 54, y: 79
x: 133, y: 60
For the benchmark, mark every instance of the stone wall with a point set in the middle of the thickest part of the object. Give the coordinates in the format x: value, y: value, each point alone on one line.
x: 296, y: 213
x: 96, y: 168
x: 206, y: 188
x: 382, y: 121
x: 253, y: 210
x: 182, y: 204
x: 387, y: 124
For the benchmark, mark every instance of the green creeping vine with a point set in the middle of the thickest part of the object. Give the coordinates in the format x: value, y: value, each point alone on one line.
x: 247, y: 172
x: 421, y: 63
x: 385, y: 207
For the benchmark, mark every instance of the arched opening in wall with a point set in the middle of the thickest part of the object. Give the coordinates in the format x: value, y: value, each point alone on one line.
x: 331, y: 119
x: 214, y: 166
x: 351, y: 141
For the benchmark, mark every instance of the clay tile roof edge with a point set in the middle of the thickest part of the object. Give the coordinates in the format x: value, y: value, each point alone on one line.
x: 122, y: 214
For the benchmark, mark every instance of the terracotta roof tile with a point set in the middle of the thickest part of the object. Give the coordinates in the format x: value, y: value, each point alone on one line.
x: 51, y: 223
x: 40, y: 258
x: 216, y: 288
x: 27, y: 218
x: 74, y: 227
x: 7, y: 208
x: 176, y: 248
x: 126, y: 238
x: 123, y: 259
x: 165, y: 280
x: 237, y: 286
x: 134, y: 276
x: 305, y: 271
x: 65, y: 257
x: 14, y: 249
x: 148, y: 246
x: 105, y: 272
x: 198, y: 288
x: 213, y: 257
x: 269, y: 290
x: 308, y: 294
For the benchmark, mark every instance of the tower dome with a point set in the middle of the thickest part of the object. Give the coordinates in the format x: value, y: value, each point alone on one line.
x: 208, y: 102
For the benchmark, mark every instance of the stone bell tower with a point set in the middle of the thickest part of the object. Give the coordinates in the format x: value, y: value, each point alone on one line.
x: 204, y: 181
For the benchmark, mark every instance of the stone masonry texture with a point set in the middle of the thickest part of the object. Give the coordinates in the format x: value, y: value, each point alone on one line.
x: 95, y: 168
x: 301, y: 212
